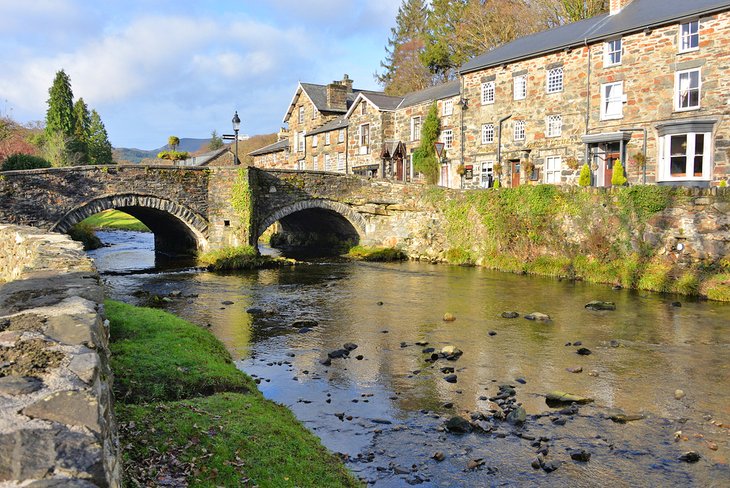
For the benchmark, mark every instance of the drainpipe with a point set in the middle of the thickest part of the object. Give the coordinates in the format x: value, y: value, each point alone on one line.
x: 588, y: 85
x: 347, y: 155
x: 462, y: 105
x: 640, y: 129
x: 499, y: 141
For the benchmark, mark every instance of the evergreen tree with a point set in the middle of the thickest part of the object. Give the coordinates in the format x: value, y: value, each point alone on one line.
x: 100, y: 149
x: 404, y: 71
x: 425, y: 160
x: 617, y: 177
x: 60, y: 114
x: 441, y: 54
x: 82, y: 131
x: 216, y: 142
x: 585, y: 176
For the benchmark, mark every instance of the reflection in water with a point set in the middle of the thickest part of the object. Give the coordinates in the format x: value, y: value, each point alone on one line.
x: 641, y: 353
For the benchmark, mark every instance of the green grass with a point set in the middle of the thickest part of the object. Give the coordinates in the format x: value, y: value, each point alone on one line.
x: 194, y: 362
x: 84, y: 234
x: 115, y: 219
x: 365, y: 253
x: 237, y: 258
x: 174, y: 430
x: 717, y: 287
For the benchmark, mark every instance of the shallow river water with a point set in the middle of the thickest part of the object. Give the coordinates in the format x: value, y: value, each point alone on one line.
x: 385, y: 406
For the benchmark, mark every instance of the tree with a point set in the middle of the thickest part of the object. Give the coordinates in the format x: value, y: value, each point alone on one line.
x: 216, y: 142
x: 82, y: 125
x: 617, y: 177
x: 60, y: 114
x: 173, y: 142
x: 100, y: 149
x: 425, y: 160
x: 441, y: 54
x: 585, y: 176
x: 404, y: 71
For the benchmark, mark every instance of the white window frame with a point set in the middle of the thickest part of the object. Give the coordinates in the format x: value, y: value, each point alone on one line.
x: 552, y: 170
x: 301, y: 115
x: 689, y: 31
x: 554, y: 125
x: 487, y: 133
x: 554, y: 80
x: 447, y: 137
x: 327, y: 139
x: 363, y: 107
x: 327, y: 162
x: 447, y: 108
x: 341, y: 162
x: 665, y: 157
x: 678, y: 92
x: 519, y: 131
x: 613, y: 54
x: 300, y: 141
x: 416, y: 128
x: 488, y: 92
x: 315, y: 113
x: 615, y: 98
x: 315, y: 162
x: 315, y: 140
x: 519, y: 87
x: 341, y: 135
x: 363, y: 138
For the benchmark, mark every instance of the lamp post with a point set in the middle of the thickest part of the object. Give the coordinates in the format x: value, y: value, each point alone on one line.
x: 236, y: 126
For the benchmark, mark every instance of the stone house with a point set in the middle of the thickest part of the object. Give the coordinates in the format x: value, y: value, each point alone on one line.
x: 327, y: 147
x: 645, y: 84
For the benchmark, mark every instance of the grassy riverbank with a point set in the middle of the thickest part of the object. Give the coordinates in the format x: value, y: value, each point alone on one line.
x: 381, y: 254
x: 600, y: 237
x: 114, y: 220
x: 188, y: 416
x: 240, y: 258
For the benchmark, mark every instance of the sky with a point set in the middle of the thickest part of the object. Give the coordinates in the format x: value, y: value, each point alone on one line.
x: 156, y: 68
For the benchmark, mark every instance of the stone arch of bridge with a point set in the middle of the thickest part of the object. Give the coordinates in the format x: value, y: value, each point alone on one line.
x: 177, y: 229
x: 334, y: 213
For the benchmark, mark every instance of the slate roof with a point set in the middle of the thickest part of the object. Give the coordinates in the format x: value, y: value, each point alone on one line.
x: 384, y: 102
x: 636, y: 16
x: 271, y: 148
x: 338, y: 123
x: 438, y: 92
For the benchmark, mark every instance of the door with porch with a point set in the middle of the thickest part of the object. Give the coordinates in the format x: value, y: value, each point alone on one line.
x: 605, y: 156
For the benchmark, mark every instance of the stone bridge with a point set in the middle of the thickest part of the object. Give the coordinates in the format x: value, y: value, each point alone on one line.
x: 192, y: 209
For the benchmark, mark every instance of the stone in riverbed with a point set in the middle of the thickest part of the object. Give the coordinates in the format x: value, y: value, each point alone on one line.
x: 679, y: 394
x: 450, y: 378
x: 583, y: 351
x: 449, y: 317
x: 580, y: 455
x: 439, y: 456
x: 458, y: 425
x: 538, y: 316
x: 350, y: 346
x: 599, y: 305
x: 574, y: 370
x: 300, y: 323
x: 509, y: 315
x: 517, y: 416
x: 338, y: 353
x: 620, y: 417
x: 226, y: 302
x: 690, y: 457
x: 551, y: 466
x: 560, y: 397
x: 492, y: 333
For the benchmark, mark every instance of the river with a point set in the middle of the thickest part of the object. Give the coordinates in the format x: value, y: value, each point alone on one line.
x: 385, y: 406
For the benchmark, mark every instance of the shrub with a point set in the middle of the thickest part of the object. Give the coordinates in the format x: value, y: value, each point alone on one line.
x: 585, y: 176
x: 383, y: 254
x: 618, y: 178
x: 723, y: 183
x: 232, y: 258
x: 496, y: 184
x: 24, y: 161
x: 84, y: 234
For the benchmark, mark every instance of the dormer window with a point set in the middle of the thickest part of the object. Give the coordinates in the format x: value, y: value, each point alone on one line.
x: 612, y: 52
x: 689, y: 36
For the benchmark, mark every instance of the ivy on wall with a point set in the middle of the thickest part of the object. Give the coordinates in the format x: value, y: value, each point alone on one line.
x: 242, y: 202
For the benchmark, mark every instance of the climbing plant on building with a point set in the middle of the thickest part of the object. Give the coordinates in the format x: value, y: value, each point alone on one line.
x: 425, y: 160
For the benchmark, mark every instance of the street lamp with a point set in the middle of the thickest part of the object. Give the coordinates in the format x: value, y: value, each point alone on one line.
x: 236, y: 126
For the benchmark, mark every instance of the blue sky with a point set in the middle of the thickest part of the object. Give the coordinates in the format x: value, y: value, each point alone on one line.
x: 155, y: 68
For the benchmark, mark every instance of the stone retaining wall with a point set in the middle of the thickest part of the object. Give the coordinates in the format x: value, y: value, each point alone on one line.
x: 56, y: 419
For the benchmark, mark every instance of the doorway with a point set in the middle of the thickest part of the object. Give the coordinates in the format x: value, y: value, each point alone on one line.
x: 605, y: 155
x: 515, y: 171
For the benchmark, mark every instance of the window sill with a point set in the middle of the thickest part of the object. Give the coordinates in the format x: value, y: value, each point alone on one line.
x: 693, y: 50
x: 611, y: 117
x: 688, y: 109
x: 606, y: 65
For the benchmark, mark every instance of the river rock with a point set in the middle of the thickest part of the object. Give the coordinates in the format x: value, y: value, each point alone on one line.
x: 517, y: 416
x: 428, y: 350
x: 350, y: 346
x: 304, y: 330
x: 580, y: 455
x: 450, y: 378
x: 584, y: 351
x: 599, y: 305
x: 447, y: 370
x: 338, y: 353
x: 538, y: 316
x: 492, y: 333
x: 620, y: 417
x: 475, y: 463
x: 326, y: 362
x: 451, y: 352
x: 300, y: 323
x: 439, y: 456
x: 574, y: 370
x: 560, y: 397
x: 227, y: 302
x: 690, y: 457
x: 551, y: 466
x: 458, y: 425
x: 679, y: 394
x: 449, y: 317
x: 509, y: 315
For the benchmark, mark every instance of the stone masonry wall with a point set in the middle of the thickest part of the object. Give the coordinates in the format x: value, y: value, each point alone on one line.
x: 56, y: 418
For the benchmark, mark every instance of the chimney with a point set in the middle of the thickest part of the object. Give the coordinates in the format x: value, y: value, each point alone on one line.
x: 346, y: 81
x: 618, y: 5
x: 337, y: 96
x: 283, y: 134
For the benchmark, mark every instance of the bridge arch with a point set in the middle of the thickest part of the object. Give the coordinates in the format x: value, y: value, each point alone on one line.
x: 316, y: 215
x: 177, y: 229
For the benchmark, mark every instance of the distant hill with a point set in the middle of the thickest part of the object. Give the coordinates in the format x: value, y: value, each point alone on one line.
x: 133, y: 155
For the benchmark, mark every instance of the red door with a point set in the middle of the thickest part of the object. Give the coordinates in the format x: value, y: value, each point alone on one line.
x: 515, y: 164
